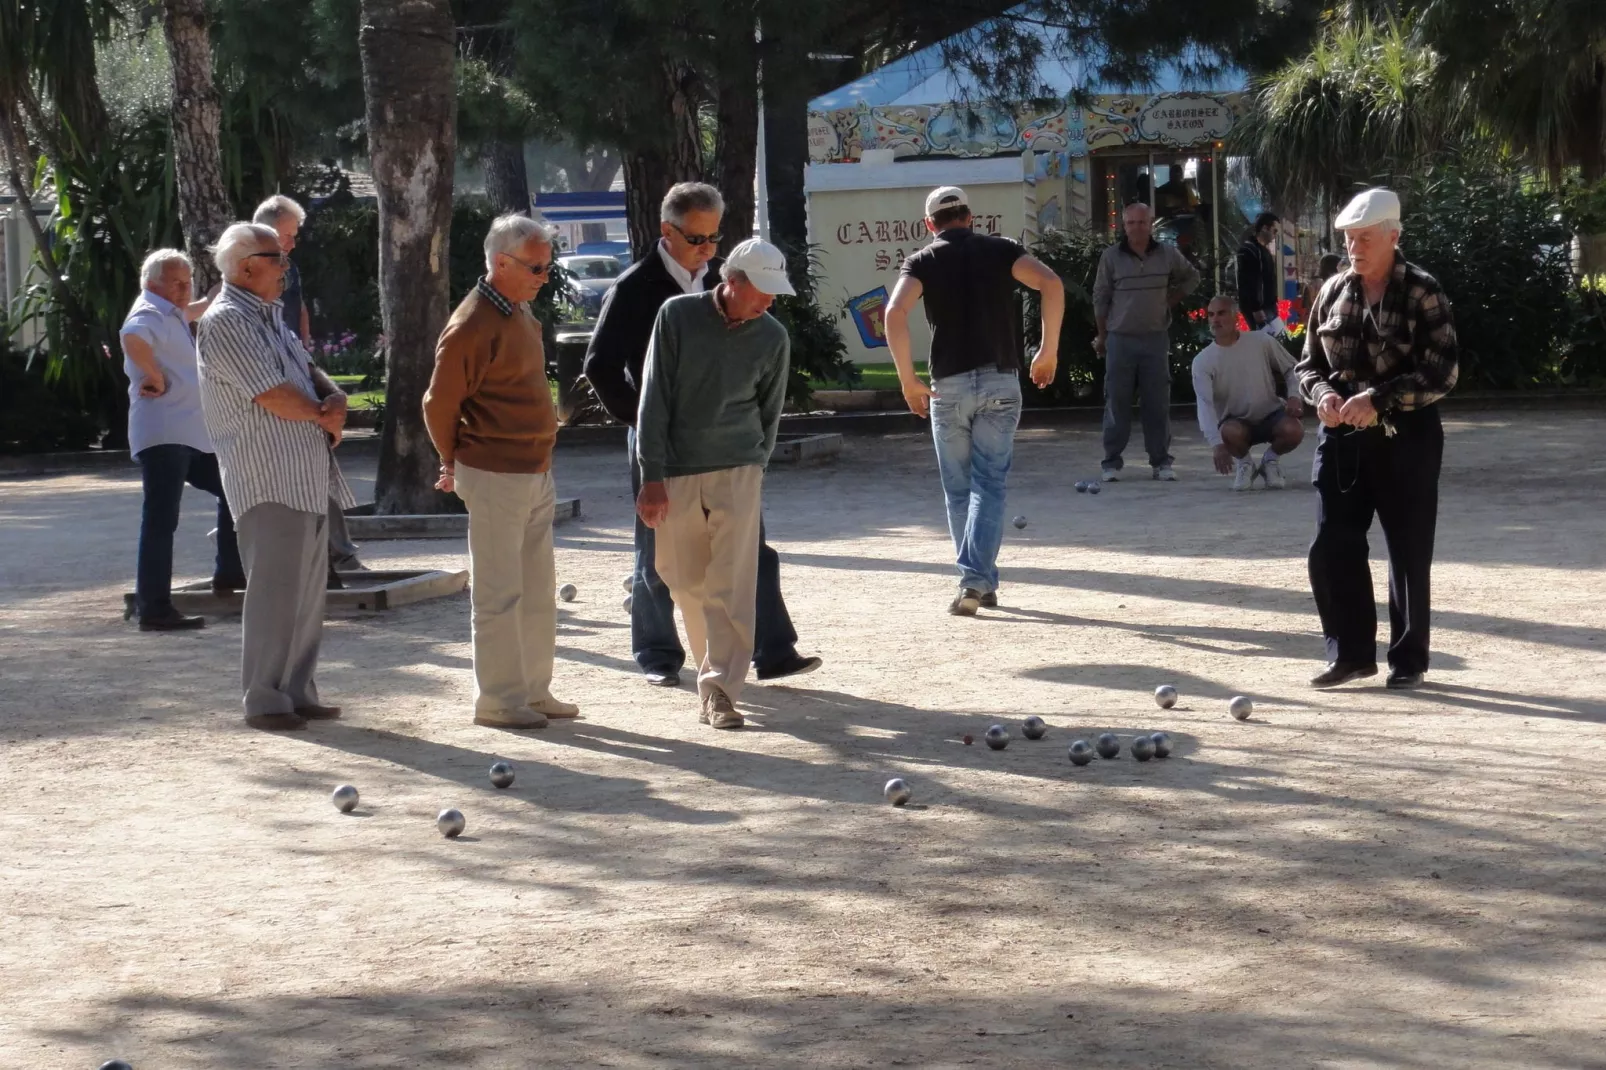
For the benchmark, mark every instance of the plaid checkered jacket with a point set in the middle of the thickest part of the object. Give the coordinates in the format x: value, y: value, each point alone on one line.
x: 1405, y: 354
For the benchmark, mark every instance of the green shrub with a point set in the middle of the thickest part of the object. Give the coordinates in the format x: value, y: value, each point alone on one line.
x: 818, y: 351
x: 36, y: 416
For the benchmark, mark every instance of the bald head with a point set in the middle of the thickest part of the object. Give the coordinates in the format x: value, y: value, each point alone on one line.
x: 1137, y: 222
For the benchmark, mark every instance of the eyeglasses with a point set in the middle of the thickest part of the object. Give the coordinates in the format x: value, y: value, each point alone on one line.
x: 698, y: 239
x: 531, y: 268
x: 282, y: 258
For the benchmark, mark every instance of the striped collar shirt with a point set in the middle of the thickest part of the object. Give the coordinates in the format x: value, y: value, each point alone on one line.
x: 246, y: 350
x: 494, y: 296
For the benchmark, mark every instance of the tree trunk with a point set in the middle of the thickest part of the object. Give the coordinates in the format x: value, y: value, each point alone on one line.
x: 203, y: 199
x: 677, y: 158
x: 507, y: 183
x: 408, y: 51
x: 596, y: 174
x: 786, y: 143
x: 736, y: 145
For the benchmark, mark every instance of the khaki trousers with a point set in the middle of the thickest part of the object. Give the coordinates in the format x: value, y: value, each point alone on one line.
x: 707, y: 552
x: 511, y: 580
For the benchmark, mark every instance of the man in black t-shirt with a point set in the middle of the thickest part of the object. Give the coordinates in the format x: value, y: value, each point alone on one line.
x: 968, y: 282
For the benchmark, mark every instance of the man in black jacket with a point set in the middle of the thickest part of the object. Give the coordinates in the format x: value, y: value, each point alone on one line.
x: 682, y: 262
x: 1259, y: 277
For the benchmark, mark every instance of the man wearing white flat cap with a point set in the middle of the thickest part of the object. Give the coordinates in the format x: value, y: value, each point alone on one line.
x: 1379, y: 354
x: 711, y: 397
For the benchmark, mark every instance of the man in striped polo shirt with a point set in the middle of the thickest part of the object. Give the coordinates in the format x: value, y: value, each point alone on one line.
x: 274, y: 420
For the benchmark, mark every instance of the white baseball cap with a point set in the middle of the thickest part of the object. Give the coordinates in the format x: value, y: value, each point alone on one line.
x: 763, y: 264
x: 944, y: 197
x: 1369, y: 208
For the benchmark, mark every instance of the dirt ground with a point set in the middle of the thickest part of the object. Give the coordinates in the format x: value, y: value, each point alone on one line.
x: 1351, y: 879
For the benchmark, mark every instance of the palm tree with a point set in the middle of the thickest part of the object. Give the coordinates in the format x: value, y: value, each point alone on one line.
x: 1362, y: 107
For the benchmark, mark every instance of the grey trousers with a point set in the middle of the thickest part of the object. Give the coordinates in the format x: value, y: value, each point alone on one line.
x: 1138, y: 361
x: 286, y: 555
x: 342, y: 551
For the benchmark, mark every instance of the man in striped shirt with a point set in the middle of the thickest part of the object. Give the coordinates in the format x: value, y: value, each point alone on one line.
x: 274, y: 419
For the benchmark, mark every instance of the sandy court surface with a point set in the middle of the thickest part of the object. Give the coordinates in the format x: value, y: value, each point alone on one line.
x: 1353, y: 879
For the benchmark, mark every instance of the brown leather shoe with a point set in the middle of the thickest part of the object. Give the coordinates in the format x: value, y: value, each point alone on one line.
x: 318, y: 713
x: 275, y: 722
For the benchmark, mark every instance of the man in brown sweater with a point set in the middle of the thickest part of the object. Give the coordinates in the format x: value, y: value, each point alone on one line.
x: 490, y: 415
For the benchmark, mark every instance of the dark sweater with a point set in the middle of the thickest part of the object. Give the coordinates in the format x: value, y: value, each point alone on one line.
x: 1257, y: 281
x: 618, y: 346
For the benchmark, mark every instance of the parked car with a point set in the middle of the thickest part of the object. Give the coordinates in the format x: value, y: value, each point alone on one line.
x: 593, y: 277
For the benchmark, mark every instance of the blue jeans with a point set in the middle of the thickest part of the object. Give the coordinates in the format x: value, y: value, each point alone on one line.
x: 973, y: 420
x: 165, y: 469
x: 654, y: 640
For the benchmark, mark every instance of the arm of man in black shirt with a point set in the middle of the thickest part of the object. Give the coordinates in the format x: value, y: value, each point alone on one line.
x: 607, y: 363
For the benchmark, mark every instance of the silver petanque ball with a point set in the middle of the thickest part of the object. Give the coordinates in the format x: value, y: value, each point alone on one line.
x: 115, y: 1064
x: 1034, y: 727
x: 997, y: 737
x: 502, y: 774
x: 1019, y: 522
x: 1143, y: 748
x: 568, y: 591
x: 1162, y: 744
x: 1240, y: 707
x: 627, y: 603
x: 1165, y: 696
x: 1094, y: 487
x: 1081, y: 486
x: 1107, y: 745
x: 629, y: 584
x: 1081, y: 752
x: 344, y: 798
x: 897, y: 791
x: 451, y: 823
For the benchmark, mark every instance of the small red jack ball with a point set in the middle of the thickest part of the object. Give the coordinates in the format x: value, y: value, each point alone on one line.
x: 968, y: 741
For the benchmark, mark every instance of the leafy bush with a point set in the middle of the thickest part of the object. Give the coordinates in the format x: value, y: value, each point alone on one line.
x: 1498, y: 245
x: 35, y: 416
x: 818, y: 351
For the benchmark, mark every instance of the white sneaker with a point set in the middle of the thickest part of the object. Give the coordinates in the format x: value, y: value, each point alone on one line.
x: 1272, y: 473
x: 1164, y: 474
x: 1110, y: 475
x: 1243, y: 474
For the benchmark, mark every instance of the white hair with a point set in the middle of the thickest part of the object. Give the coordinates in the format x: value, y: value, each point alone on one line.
x: 510, y: 231
x: 240, y: 241
x: 730, y: 274
x: 155, y: 265
x: 275, y: 208
x: 686, y: 197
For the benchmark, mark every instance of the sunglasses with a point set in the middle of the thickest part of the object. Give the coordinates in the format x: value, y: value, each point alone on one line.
x: 695, y: 240
x: 531, y: 268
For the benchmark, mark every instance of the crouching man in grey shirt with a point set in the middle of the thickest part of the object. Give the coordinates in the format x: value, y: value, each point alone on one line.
x: 1236, y: 379
x: 711, y: 398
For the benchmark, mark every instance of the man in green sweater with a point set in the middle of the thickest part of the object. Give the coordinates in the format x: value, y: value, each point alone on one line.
x: 711, y: 398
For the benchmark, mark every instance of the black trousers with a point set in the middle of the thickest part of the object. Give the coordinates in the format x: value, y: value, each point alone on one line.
x: 1358, y: 473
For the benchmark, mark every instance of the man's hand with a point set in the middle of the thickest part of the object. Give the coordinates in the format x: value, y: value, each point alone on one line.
x: 1358, y: 411
x: 1294, y: 406
x: 1222, y: 458
x: 652, y: 504
x: 1098, y: 344
x: 1328, y: 409
x: 152, y: 386
x: 917, y: 395
x: 448, y: 479
x: 1043, y: 366
x: 332, y: 417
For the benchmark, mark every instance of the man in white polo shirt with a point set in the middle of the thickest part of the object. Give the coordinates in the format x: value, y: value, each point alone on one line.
x: 1235, y: 379
x: 167, y: 436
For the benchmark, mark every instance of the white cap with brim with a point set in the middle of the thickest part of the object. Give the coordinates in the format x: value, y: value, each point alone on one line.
x: 945, y: 197
x: 763, y: 264
x: 1369, y: 208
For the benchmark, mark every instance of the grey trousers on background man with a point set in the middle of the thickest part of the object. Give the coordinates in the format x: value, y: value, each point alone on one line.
x: 286, y: 555
x: 342, y: 551
x: 1141, y: 361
